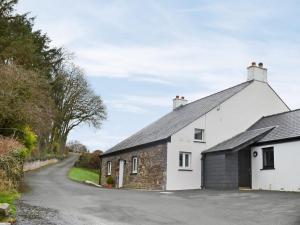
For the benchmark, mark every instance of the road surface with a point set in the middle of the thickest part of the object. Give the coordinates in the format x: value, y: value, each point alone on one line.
x: 52, y: 199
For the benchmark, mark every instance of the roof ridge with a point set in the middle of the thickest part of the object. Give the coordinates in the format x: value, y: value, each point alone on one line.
x: 135, y: 138
x: 264, y: 130
x: 277, y: 114
x: 215, y: 93
x: 269, y: 127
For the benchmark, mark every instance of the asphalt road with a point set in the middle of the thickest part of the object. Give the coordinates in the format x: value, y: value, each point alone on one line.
x: 52, y: 199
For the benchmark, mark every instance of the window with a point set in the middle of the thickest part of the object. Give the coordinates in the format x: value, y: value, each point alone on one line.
x: 185, y: 160
x: 134, y: 164
x: 268, y: 158
x: 108, y: 168
x: 199, y: 135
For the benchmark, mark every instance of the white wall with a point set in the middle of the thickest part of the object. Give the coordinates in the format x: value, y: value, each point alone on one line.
x: 230, y: 118
x: 285, y: 176
x: 28, y: 166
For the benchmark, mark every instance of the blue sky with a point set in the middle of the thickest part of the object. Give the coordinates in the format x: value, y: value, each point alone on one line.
x: 139, y: 54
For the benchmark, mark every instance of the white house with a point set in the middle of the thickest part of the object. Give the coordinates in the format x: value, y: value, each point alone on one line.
x: 185, y: 148
x: 265, y: 156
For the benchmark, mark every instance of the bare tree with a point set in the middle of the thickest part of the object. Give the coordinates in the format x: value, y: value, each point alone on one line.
x: 76, y: 103
x: 24, y: 100
x: 76, y: 146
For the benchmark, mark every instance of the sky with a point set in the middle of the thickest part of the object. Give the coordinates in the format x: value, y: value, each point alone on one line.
x: 139, y: 54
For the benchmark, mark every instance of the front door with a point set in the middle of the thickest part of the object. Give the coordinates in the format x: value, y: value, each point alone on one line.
x: 121, y: 172
x: 245, y: 168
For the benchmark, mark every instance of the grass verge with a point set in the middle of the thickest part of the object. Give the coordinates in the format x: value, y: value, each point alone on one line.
x: 82, y: 174
x: 10, y: 198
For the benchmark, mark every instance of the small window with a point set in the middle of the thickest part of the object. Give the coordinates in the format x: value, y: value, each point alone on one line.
x: 108, y: 168
x: 184, y: 160
x: 199, y: 135
x: 134, y: 164
x: 268, y: 158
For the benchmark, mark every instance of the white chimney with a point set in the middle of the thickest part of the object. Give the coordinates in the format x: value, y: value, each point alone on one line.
x: 258, y: 73
x: 177, y: 101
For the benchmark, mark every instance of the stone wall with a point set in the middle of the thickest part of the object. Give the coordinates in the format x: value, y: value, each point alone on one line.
x: 152, y: 167
x: 38, y: 164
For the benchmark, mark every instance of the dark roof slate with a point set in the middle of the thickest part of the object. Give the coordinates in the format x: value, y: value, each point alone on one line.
x: 177, y: 119
x: 287, y: 125
x: 241, y: 140
x: 278, y: 127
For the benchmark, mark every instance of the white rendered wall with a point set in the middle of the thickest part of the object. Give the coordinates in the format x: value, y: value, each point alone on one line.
x: 232, y: 117
x: 285, y: 176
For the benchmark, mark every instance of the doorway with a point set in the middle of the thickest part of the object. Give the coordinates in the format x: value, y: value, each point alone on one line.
x: 245, y: 168
x: 121, y: 173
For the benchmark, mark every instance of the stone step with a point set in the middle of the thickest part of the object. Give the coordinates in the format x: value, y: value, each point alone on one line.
x: 4, y: 209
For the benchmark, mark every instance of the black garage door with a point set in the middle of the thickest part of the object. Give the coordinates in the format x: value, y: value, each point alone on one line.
x: 220, y: 170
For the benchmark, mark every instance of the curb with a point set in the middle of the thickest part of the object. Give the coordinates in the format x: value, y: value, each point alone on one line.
x: 91, y: 183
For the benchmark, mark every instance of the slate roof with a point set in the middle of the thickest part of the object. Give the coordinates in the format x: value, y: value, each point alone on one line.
x: 287, y: 126
x: 241, y: 140
x: 278, y: 127
x: 177, y: 119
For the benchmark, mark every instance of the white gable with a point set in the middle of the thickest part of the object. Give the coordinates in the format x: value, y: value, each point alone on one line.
x: 225, y: 121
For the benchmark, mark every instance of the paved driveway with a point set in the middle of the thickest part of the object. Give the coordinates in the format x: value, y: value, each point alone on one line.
x: 51, y: 199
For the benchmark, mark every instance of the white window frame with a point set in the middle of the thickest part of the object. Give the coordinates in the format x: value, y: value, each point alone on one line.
x: 134, y: 164
x: 203, y: 135
x: 109, y: 168
x: 184, y: 155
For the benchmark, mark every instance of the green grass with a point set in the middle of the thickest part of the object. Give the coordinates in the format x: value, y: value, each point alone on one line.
x: 82, y: 174
x: 10, y: 198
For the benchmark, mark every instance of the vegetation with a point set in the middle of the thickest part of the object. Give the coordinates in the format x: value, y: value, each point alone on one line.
x: 83, y: 174
x: 110, y: 180
x: 89, y: 160
x: 10, y: 198
x: 77, y: 147
x: 43, y: 94
x: 12, y: 154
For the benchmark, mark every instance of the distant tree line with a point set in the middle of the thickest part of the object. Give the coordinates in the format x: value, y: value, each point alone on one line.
x: 43, y: 95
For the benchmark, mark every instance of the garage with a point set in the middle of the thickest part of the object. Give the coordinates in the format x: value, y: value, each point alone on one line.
x: 228, y: 165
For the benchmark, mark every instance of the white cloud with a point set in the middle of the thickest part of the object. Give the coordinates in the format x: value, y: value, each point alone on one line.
x: 138, y: 104
x: 95, y: 139
x: 196, y: 60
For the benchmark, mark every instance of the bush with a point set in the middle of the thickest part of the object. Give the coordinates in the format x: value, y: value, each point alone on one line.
x: 89, y: 160
x: 110, y: 180
x: 29, y: 138
x: 11, y: 163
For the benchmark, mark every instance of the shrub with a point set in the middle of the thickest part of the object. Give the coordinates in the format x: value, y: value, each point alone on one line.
x: 11, y: 163
x: 89, y: 160
x: 29, y: 138
x: 110, y: 180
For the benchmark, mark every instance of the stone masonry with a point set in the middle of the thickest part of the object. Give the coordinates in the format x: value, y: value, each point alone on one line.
x: 152, y: 167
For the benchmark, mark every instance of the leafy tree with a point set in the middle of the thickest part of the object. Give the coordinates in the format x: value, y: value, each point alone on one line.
x: 39, y: 89
x: 20, y: 45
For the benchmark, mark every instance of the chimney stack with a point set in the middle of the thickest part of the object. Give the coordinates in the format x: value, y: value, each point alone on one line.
x: 179, y: 101
x: 258, y: 73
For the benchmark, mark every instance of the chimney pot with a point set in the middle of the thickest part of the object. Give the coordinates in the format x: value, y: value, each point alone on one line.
x: 179, y: 101
x: 258, y: 73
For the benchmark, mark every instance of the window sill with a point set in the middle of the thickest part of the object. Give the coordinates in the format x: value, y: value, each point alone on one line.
x: 198, y: 141
x: 185, y: 170
x: 268, y: 168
